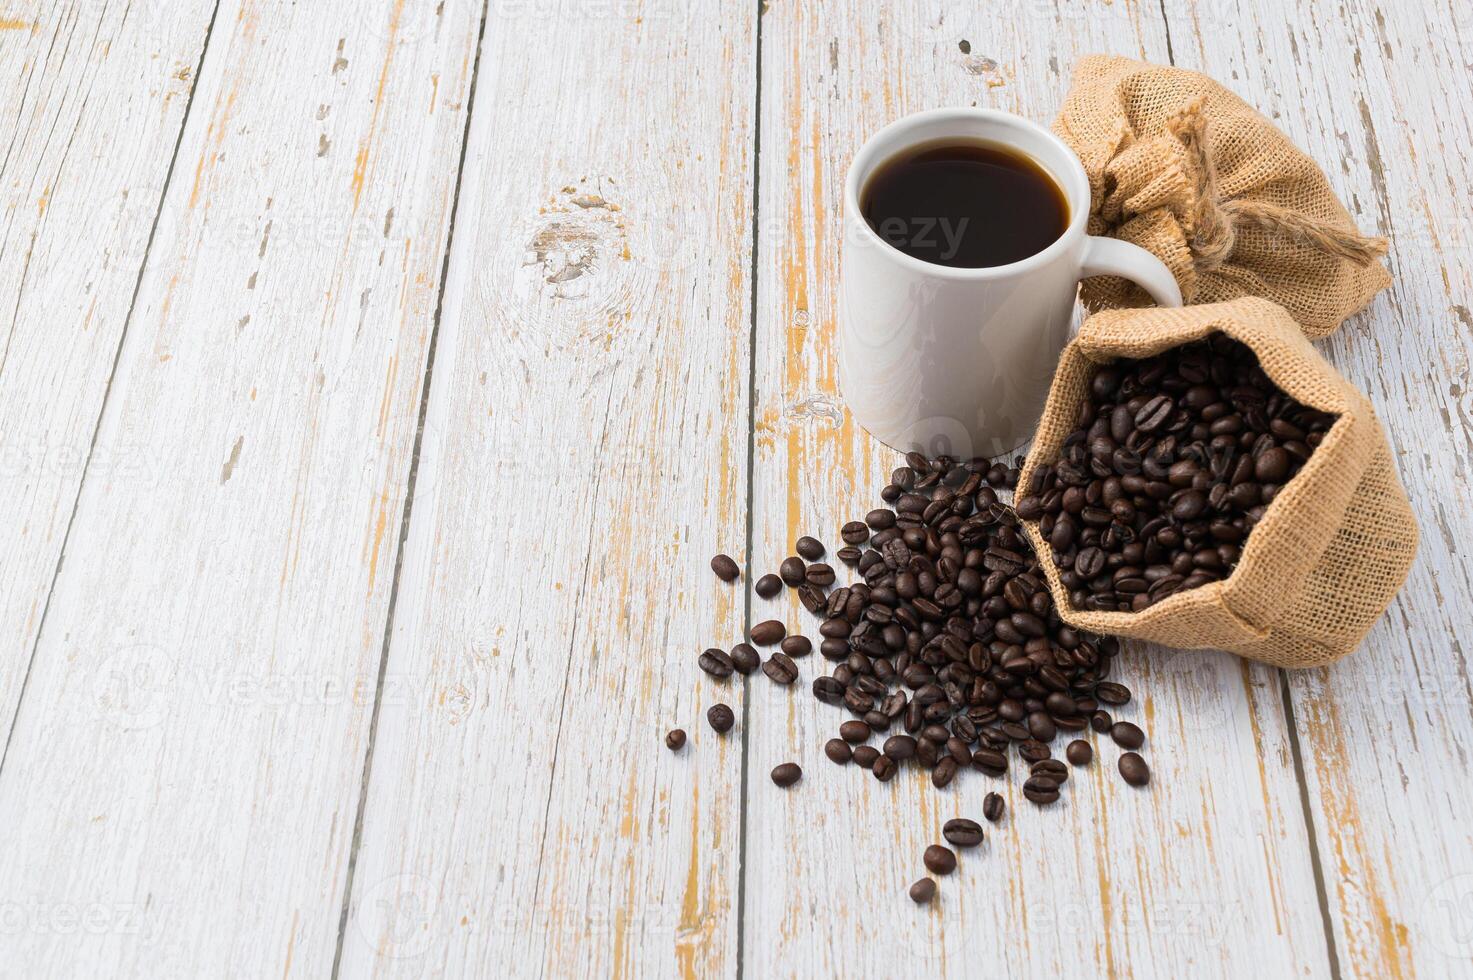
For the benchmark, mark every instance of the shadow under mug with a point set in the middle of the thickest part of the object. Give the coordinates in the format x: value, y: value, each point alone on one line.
x: 951, y: 361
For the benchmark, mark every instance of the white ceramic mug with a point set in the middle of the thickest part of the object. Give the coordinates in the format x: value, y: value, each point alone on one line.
x: 958, y: 361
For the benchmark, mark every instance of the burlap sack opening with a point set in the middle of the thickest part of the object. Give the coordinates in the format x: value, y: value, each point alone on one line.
x: 1333, y: 547
x: 1187, y: 170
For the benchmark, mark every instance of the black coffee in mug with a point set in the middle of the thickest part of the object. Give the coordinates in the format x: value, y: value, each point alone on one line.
x: 964, y: 204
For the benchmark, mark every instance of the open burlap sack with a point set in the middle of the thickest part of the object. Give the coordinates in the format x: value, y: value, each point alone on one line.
x: 1187, y: 170
x: 1332, y: 548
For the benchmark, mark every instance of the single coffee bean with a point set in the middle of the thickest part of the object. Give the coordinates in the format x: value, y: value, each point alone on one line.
x: 880, y: 519
x: 796, y: 645
x: 1079, y: 753
x: 884, y: 768
x: 828, y: 690
x: 725, y: 568
x: 865, y: 756
x: 962, y: 832
x: 768, y: 586
x: 944, y: 772
x: 768, y: 632
x: 838, y: 751
x: 809, y: 548
x: 721, y: 718
x: 923, y: 891
x: 1100, y: 721
x: 745, y: 658
x: 1112, y: 694
x: 675, y: 739
x: 716, y: 663
x: 1032, y: 750
x: 855, y: 532
x: 990, y: 762
x: 900, y: 747
x: 1041, y: 726
x: 849, y: 555
x: 787, y: 774
x: 854, y: 732
x: 993, y: 807
x: 793, y: 571
x: 939, y: 860
x: 780, y: 668
x: 1133, y: 769
x: 1052, y: 768
x: 820, y: 574
x: 1127, y: 736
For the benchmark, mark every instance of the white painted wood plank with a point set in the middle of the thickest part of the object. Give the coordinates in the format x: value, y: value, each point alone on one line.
x: 1208, y: 873
x: 585, y: 457
x: 1380, y: 92
x: 186, y: 762
x: 94, y: 99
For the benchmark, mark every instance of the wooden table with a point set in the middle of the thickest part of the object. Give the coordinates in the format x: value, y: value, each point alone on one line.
x: 378, y: 380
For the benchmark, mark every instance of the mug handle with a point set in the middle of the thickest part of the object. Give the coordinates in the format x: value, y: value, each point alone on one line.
x: 1112, y: 257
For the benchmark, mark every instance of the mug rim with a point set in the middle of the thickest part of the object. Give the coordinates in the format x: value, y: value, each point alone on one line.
x: 1079, y: 209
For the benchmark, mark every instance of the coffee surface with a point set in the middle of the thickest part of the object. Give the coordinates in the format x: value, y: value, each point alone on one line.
x: 967, y: 205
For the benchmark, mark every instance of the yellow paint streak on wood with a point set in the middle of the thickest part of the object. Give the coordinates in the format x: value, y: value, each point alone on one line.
x: 1102, y: 877
x: 689, y: 933
x: 382, y: 522
x: 360, y: 164
x: 15, y: 24
x: 1353, y: 865
x: 1245, y: 671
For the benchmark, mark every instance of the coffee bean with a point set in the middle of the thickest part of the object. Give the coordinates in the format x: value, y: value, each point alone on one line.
x: 745, y: 658
x: 939, y: 860
x: 993, y: 807
x: 944, y: 772
x: 838, y: 751
x: 1127, y: 736
x: 1052, y: 768
x: 855, y: 532
x: 820, y: 574
x: 879, y: 519
x: 787, y: 774
x: 854, y: 732
x: 1112, y: 694
x: 768, y: 632
x: 1100, y: 721
x: 900, y: 747
x: 725, y: 568
x: 884, y: 768
x: 780, y: 668
x: 809, y: 548
x: 962, y: 832
x: 721, y: 718
x: 849, y: 555
x: 675, y: 739
x: 768, y: 586
x: 716, y: 663
x: 1078, y: 752
x: 1032, y: 750
x: 793, y: 571
x: 990, y: 762
x: 796, y: 645
x: 923, y: 891
x: 1133, y: 769
x: 828, y: 690
x: 1041, y: 726
x: 865, y: 756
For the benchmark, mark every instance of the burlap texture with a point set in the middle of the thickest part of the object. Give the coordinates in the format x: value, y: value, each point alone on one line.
x: 1187, y: 170
x: 1332, y: 548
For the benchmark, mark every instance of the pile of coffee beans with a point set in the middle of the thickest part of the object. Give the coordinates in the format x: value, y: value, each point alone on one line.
x: 1171, y: 465
x: 948, y: 651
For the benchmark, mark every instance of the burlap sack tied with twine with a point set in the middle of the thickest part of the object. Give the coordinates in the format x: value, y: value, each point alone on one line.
x: 1187, y: 170
x: 1332, y: 548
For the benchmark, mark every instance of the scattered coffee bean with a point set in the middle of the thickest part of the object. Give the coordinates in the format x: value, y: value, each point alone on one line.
x: 768, y: 586
x: 900, y: 747
x: 1112, y: 694
x: 796, y: 645
x: 787, y: 774
x: 793, y: 571
x: 1100, y: 721
x: 1133, y: 769
x: 1127, y: 736
x: 866, y: 755
x: 725, y: 568
x: 944, y: 772
x: 854, y: 732
x: 809, y: 548
x: 1173, y: 462
x: 838, y: 751
x: 849, y: 555
x: 780, y: 668
x: 721, y: 718
x: 884, y: 768
x: 745, y: 658
x: 768, y: 632
x: 939, y: 860
x: 993, y: 807
x: 1052, y: 768
x: 821, y: 575
x: 716, y: 663
x: 923, y: 891
x: 962, y: 832
x: 675, y: 739
x: 1079, y: 753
